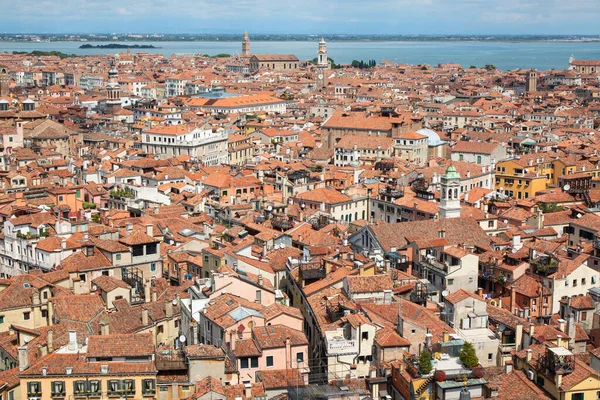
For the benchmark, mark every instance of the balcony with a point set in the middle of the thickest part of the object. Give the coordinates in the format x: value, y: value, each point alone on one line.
x: 391, y: 192
x: 170, y: 360
x: 337, y: 344
x: 433, y: 264
x: 506, y: 348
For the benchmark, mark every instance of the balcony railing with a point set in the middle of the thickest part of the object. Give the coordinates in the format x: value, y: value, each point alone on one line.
x: 431, y: 263
x: 341, y: 346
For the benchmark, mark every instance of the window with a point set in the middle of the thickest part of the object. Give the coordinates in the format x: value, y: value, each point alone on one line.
x: 583, y: 316
x: 577, y: 396
x: 34, y: 389
x: 118, y: 257
x: 490, y: 356
x: 1, y: 319
x: 269, y: 361
x: 254, y: 362
x: 26, y: 316
x: 365, y: 336
x: 151, y: 248
x: 244, y: 362
x: 574, y: 282
x: 82, y: 277
x: 58, y: 389
x: 450, y: 282
x: 300, y: 357
x: 60, y: 198
x: 153, y: 267
x: 137, y: 250
x: 490, y: 224
x: 149, y: 386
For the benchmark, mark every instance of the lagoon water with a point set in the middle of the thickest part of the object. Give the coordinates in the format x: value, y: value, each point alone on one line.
x: 540, y: 55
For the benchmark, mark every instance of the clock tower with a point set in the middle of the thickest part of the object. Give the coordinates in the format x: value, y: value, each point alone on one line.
x: 322, y: 64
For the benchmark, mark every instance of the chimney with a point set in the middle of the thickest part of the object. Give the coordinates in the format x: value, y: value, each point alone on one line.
x: 129, y: 228
x: 195, y: 334
x: 528, y: 355
x: 508, y: 366
x: 72, y: 345
x: 248, y: 390
x: 154, y: 296
x: 42, y: 351
x: 516, y: 243
x: 571, y: 329
x: 104, y: 329
x: 147, y: 294
x: 23, y: 363
x: 145, y: 316
x: 50, y: 313
x: 441, y: 234
x: 36, y: 297
x: 513, y: 300
x: 150, y: 230
x: 428, y: 338
x: 562, y: 325
x: 168, y: 309
x: 260, y: 280
x: 288, y: 352
x: 446, y: 337
x: 50, y: 339
x: 558, y: 379
x: 531, y: 334
x: 518, y: 337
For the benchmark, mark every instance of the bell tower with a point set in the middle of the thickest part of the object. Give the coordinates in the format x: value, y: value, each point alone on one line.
x: 322, y: 64
x: 113, y: 90
x: 450, y: 194
x: 246, y: 45
x: 4, y: 78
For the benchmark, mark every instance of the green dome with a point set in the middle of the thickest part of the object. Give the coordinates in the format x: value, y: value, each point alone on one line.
x: 451, y: 173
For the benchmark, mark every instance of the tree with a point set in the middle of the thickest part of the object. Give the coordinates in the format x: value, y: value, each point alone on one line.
x: 96, y: 218
x: 425, y: 362
x: 468, y: 356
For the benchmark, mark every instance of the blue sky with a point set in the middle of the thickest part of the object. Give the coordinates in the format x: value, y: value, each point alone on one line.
x: 304, y: 16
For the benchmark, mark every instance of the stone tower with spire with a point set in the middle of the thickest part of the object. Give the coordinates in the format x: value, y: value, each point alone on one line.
x: 113, y: 90
x: 322, y: 64
x: 4, y: 78
x: 246, y: 45
x: 450, y: 193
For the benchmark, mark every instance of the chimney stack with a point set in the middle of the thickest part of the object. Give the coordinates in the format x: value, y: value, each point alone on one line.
x: 147, y: 294
x: 150, y: 230
x: 145, y: 317
x: 23, y: 362
x: 72, y: 345
x: 428, y: 339
x: 446, y: 337
x: 528, y: 355
x: 168, y: 309
x: 50, y: 339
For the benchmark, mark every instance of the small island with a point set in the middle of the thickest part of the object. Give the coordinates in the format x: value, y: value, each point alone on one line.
x: 118, y: 46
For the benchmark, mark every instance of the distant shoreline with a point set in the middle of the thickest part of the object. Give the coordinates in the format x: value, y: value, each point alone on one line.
x: 45, y: 38
x: 117, y: 46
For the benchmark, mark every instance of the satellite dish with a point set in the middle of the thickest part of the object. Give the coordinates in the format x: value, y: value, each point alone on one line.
x: 174, y: 302
x: 182, y: 338
x: 269, y: 208
x: 445, y: 293
x: 94, y: 287
x: 501, y: 189
x: 566, y: 187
